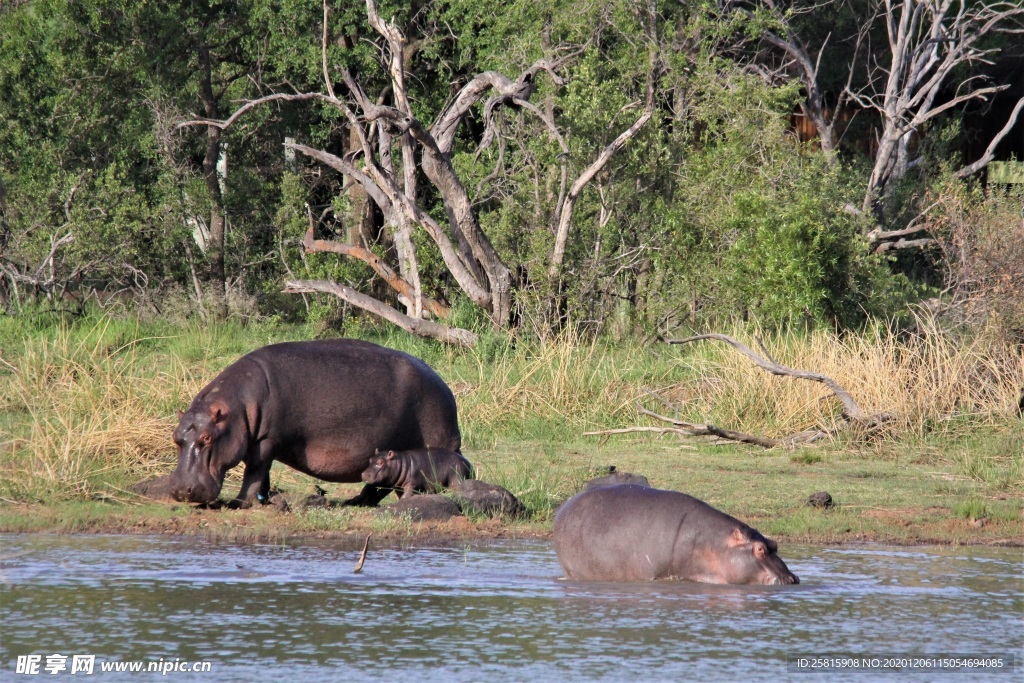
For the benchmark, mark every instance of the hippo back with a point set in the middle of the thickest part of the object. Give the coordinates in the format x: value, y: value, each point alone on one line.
x: 611, y: 534
x: 635, y: 533
x: 331, y: 403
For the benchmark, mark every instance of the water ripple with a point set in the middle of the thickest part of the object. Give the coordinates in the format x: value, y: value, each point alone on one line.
x: 495, y: 610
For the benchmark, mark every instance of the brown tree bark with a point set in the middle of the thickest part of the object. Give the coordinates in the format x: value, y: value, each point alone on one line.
x: 381, y: 134
x: 215, y: 247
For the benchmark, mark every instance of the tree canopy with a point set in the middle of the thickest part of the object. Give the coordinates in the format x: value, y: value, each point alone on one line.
x: 627, y: 165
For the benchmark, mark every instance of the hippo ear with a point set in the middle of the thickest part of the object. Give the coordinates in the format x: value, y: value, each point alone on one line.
x: 737, y: 538
x: 218, y: 411
x: 390, y: 456
x: 181, y: 414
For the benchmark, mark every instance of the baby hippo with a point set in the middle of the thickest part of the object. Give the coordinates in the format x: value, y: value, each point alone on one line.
x: 636, y: 533
x: 421, y: 470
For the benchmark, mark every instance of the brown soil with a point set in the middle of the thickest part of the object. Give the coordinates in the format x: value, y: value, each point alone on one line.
x: 894, y: 527
x: 263, y: 524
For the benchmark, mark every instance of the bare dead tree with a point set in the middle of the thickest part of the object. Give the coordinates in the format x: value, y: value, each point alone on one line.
x: 928, y: 41
x: 990, y: 151
x: 563, y: 213
x: 420, y: 326
x: 385, y: 133
x: 881, y: 240
x: 567, y: 200
x: 800, y: 61
x: 406, y: 291
x: 466, y: 250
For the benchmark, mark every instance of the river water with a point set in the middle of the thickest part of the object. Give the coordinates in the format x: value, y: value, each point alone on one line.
x: 491, y: 612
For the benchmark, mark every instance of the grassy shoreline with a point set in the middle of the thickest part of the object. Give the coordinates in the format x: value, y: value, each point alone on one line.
x: 86, y: 410
x: 911, y: 498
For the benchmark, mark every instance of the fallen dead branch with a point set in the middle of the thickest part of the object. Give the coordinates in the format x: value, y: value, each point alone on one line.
x: 851, y: 411
x: 628, y: 430
x: 708, y: 429
x: 852, y: 414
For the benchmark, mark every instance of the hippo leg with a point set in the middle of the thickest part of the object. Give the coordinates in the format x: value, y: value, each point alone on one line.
x: 256, y: 480
x: 369, y: 497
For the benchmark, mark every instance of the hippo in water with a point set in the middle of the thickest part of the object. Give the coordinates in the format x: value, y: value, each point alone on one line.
x: 421, y: 470
x: 322, y: 407
x: 637, y: 533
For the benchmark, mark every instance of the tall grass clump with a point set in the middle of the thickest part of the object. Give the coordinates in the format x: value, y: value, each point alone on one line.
x: 87, y: 407
x: 553, y: 389
x: 929, y: 379
x: 81, y: 412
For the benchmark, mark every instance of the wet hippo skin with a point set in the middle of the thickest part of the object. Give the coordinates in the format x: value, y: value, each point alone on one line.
x: 637, y: 533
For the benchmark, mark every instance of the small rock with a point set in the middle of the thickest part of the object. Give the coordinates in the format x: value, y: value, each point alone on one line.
x: 616, y: 478
x: 821, y: 499
x: 479, y: 497
x: 157, y: 487
x: 423, y: 508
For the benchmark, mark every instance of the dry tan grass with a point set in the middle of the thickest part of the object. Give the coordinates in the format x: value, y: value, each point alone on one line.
x: 77, y: 415
x: 89, y: 411
x: 926, y: 380
x: 565, y: 379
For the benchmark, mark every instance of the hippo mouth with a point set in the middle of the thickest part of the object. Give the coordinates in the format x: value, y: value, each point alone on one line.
x: 788, y: 580
x: 195, y: 494
x: 192, y: 495
x: 200, y: 487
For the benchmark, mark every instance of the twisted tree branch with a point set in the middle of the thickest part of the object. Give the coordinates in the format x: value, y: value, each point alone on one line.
x: 424, y: 328
x: 851, y: 410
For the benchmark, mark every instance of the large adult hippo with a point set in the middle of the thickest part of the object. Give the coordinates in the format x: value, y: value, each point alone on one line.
x: 323, y: 407
x: 636, y: 533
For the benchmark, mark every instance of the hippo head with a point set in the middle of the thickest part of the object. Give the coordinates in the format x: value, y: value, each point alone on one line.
x: 381, y: 470
x: 206, y: 451
x: 754, y: 559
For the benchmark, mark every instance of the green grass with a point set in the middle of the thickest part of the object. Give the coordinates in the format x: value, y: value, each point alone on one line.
x: 997, y: 461
x: 87, y: 407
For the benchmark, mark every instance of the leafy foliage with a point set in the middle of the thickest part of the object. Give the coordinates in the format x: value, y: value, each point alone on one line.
x: 713, y: 210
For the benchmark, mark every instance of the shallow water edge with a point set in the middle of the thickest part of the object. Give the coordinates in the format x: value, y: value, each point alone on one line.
x: 495, y: 608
